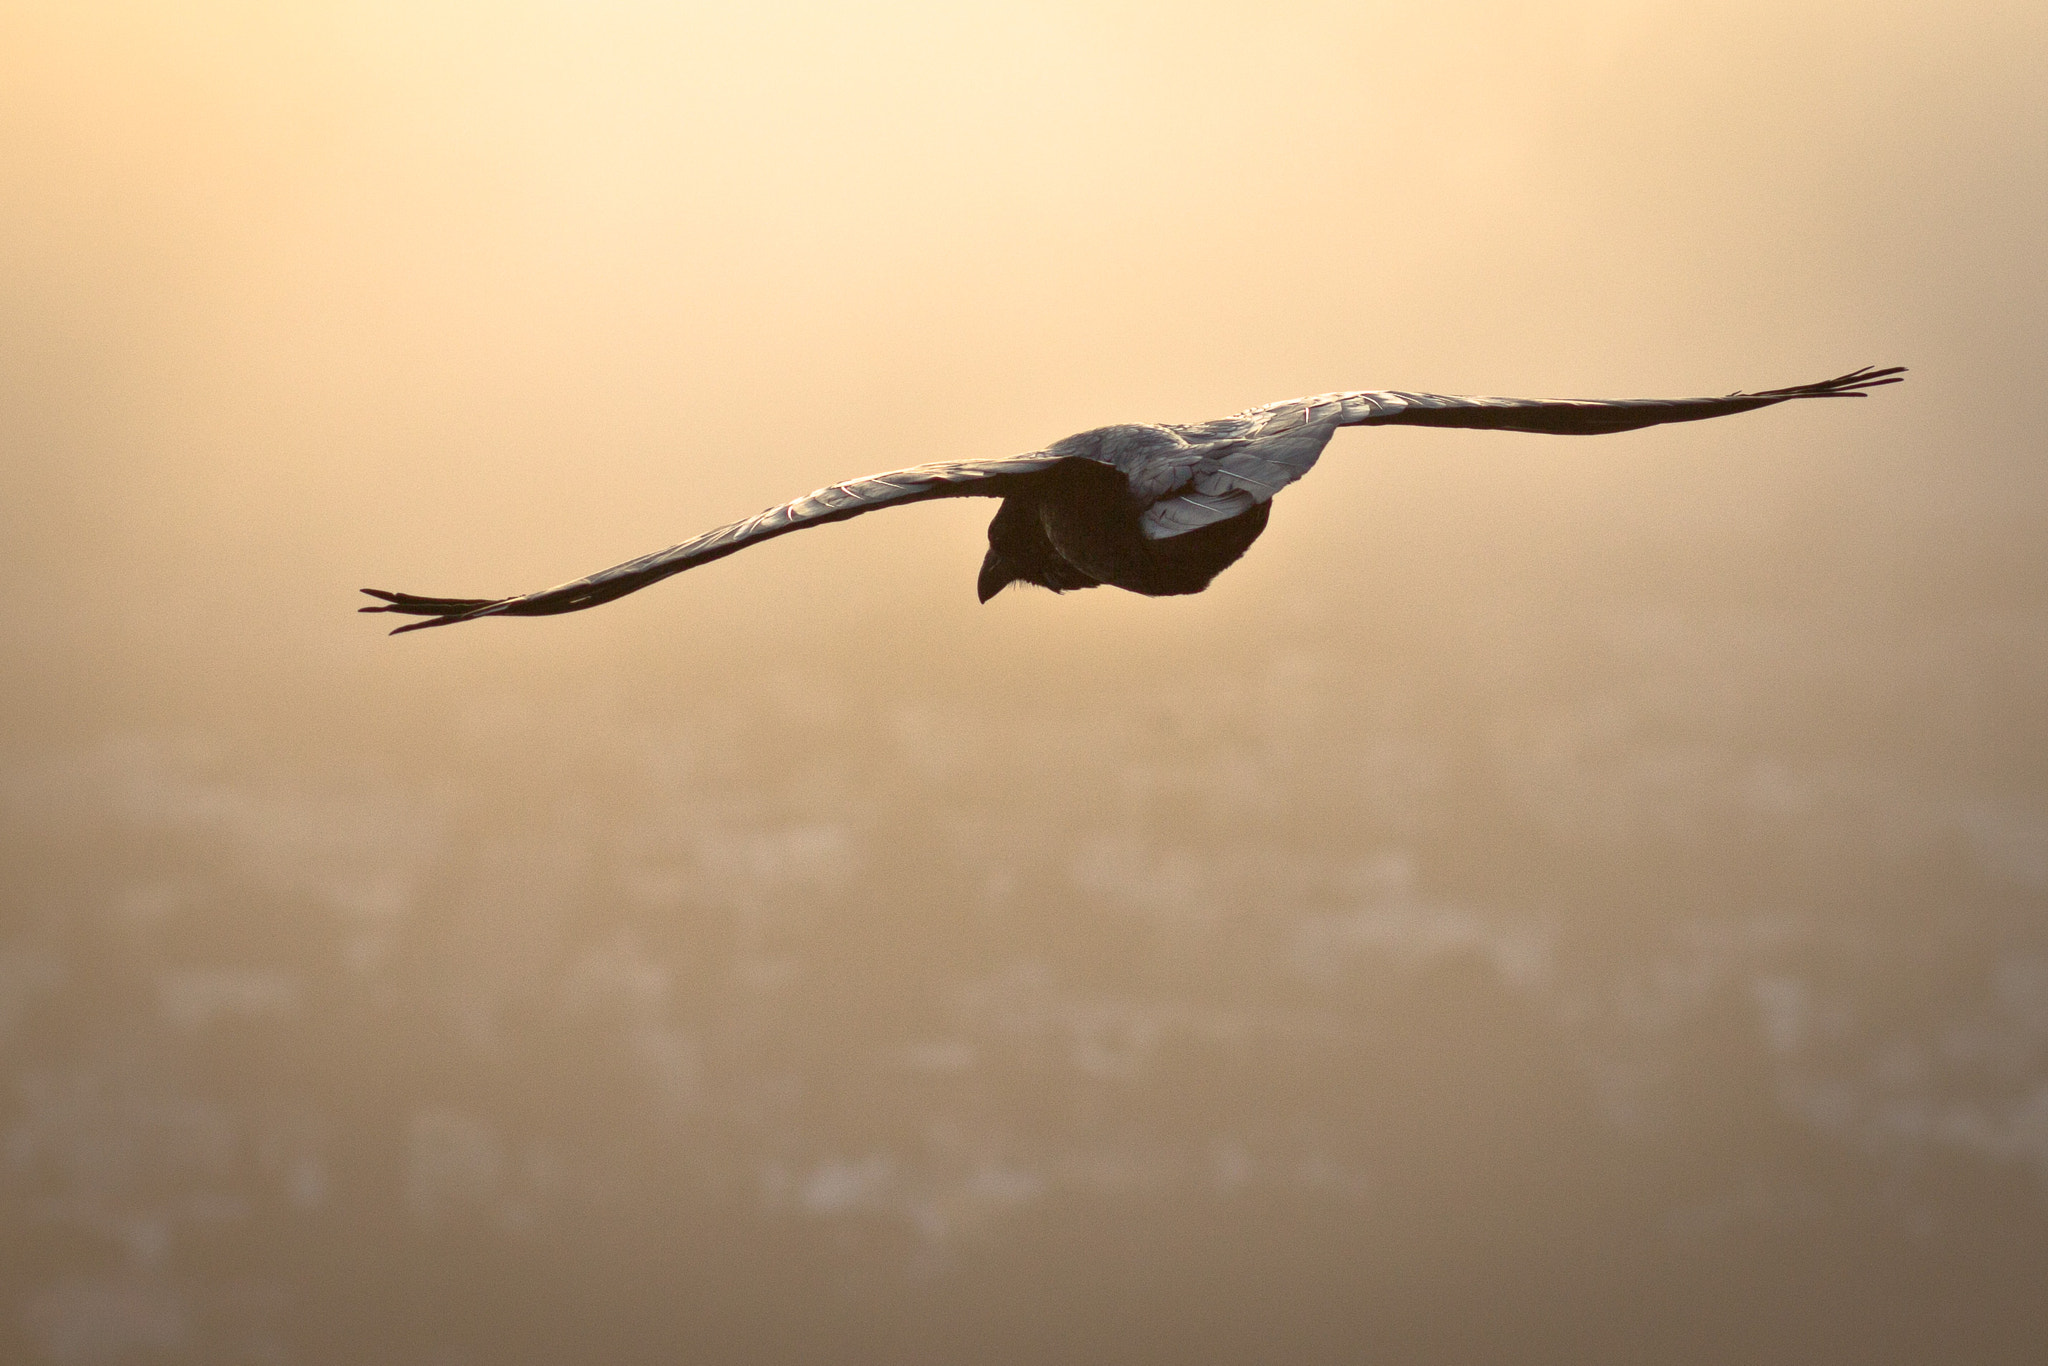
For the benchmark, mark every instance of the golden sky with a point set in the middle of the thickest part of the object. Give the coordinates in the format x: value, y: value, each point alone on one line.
x: 471, y: 299
x: 1609, y: 867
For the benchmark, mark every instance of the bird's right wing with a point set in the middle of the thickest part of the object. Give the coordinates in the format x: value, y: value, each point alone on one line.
x: 963, y: 479
x: 1234, y: 462
x: 1565, y: 416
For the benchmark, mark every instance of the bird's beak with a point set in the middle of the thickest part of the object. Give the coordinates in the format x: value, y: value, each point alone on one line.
x: 996, y: 575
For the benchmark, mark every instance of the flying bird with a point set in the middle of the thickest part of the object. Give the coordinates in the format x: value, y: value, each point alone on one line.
x: 1156, y: 509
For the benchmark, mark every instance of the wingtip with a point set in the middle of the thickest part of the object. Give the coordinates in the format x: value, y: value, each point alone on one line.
x: 1870, y: 376
x: 437, y: 611
x: 422, y: 625
x: 1855, y: 384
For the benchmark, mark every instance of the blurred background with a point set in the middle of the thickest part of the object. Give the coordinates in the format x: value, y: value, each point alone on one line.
x: 1556, y: 900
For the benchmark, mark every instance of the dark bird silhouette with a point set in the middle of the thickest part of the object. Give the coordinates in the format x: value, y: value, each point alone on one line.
x: 1159, y: 510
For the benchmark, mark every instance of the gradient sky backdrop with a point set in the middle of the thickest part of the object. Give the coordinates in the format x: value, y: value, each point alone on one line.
x: 1553, y: 900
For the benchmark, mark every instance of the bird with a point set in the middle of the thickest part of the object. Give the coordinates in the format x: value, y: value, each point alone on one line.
x: 1158, y: 509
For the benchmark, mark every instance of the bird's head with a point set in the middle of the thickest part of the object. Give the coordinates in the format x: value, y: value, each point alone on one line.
x: 997, y: 574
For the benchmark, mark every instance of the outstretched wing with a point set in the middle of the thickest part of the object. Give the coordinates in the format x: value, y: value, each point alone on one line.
x: 963, y: 479
x: 1234, y: 462
x: 1579, y: 417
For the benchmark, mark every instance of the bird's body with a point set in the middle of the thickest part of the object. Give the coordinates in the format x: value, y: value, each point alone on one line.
x: 1079, y: 524
x: 1155, y: 509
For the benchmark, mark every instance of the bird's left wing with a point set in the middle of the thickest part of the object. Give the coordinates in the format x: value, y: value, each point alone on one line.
x: 963, y: 479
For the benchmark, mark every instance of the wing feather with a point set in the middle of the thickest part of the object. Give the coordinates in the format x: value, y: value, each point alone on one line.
x: 834, y: 503
x: 1246, y: 458
x: 1577, y: 417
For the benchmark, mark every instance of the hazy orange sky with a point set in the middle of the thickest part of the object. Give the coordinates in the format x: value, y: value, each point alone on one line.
x: 1614, y: 868
x: 475, y: 299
